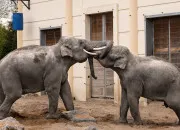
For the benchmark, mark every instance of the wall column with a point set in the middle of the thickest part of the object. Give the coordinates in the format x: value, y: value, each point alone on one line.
x: 69, y: 32
x: 133, y: 26
x: 20, y: 32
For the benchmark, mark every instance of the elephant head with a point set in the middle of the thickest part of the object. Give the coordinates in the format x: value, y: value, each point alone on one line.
x: 118, y: 57
x: 101, y: 48
x: 80, y: 49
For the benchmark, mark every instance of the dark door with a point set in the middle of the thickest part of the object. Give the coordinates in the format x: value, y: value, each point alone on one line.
x: 102, y: 29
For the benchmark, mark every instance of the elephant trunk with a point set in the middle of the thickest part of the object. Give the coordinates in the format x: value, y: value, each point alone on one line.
x: 104, y: 52
x: 89, y: 50
x: 90, y: 60
x: 102, y: 47
x: 99, y: 49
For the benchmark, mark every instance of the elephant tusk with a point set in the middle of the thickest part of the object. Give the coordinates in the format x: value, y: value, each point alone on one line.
x: 100, y: 48
x: 90, y: 53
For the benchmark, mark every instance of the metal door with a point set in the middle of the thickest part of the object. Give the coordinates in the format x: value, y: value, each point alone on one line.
x: 102, y: 29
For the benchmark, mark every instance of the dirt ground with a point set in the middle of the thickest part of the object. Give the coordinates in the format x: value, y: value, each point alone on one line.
x: 33, y: 110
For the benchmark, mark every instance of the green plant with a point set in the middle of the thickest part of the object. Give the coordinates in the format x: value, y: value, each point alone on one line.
x: 8, y: 40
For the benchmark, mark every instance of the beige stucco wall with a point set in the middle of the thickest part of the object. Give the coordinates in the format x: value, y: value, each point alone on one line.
x: 45, y: 14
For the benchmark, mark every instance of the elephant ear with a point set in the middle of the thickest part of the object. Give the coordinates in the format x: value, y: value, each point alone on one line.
x: 121, y: 63
x: 122, y: 58
x: 66, y: 50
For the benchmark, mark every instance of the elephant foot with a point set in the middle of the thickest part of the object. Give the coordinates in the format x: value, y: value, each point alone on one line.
x: 3, y: 116
x: 138, y: 123
x: 123, y: 121
x: 177, y: 122
x: 53, y: 116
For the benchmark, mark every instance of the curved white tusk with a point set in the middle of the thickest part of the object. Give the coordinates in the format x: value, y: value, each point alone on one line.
x: 90, y: 53
x: 100, y: 48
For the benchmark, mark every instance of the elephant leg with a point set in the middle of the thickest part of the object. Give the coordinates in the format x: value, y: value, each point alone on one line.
x: 172, y: 99
x: 2, y: 95
x: 175, y: 105
x: 134, y: 108
x: 53, y: 96
x: 134, y: 91
x: 124, y: 107
x: 66, y: 96
x: 177, y: 111
x: 13, y: 91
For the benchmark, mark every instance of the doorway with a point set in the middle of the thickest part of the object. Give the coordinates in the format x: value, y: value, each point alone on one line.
x: 101, y: 28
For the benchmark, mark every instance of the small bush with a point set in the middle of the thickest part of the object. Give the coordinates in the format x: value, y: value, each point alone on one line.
x: 8, y: 40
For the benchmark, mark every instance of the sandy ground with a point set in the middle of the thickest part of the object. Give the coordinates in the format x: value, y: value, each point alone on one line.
x: 33, y: 110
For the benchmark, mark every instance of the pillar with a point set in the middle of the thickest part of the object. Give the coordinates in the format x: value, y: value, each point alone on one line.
x: 117, y: 86
x: 133, y: 23
x: 133, y: 26
x: 20, y: 32
x: 69, y: 32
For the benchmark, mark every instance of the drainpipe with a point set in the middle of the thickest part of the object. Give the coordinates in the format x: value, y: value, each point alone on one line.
x: 69, y: 32
x: 133, y: 26
x: 20, y: 32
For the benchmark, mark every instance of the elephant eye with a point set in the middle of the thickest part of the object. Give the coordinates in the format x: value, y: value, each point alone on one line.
x: 81, y: 42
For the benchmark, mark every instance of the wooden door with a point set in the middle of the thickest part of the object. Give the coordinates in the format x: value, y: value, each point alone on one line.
x: 102, y: 29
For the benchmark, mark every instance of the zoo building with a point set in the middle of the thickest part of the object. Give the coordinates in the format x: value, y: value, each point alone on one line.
x: 146, y: 27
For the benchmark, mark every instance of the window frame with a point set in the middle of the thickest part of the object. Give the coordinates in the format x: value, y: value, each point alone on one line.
x: 43, y: 36
x: 149, y: 33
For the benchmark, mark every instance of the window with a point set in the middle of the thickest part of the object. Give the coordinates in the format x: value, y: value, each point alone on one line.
x: 50, y: 36
x: 163, y: 38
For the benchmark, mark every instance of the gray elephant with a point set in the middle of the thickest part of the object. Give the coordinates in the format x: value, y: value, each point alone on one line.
x: 149, y: 77
x: 36, y: 68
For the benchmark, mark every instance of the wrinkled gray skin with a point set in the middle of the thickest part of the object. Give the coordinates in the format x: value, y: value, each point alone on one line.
x: 149, y: 77
x: 33, y: 69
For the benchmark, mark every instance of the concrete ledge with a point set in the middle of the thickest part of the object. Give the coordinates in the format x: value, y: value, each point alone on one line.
x: 78, y: 116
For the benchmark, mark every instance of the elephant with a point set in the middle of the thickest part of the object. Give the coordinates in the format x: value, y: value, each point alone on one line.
x: 149, y: 77
x: 37, y: 68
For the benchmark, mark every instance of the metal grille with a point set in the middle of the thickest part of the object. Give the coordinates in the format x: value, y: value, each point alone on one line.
x: 52, y: 36
x: 161, y: 38
x: 175, y: 40
x: 167, y: 39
